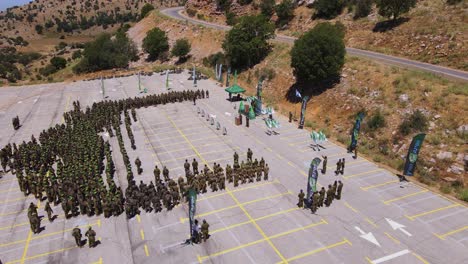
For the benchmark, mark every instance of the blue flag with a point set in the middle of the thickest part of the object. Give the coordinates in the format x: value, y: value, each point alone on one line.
x: 192, y: 195
x: 413, y: 153
x: 357, y: 127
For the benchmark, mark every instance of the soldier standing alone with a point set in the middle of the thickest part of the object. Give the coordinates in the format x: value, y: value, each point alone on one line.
x: 324, y: 168
x: 91, y: 234
x: 49, y: 211
x: 204, y: 230
x: 77, y: 235
x: 301, y: 195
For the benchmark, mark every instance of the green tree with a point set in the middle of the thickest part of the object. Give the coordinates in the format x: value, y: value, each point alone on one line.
x: 246, y: 44
x: 285, y: 12
x: 267, y: 7
x: 363, y: 8
x: 76, y: 54
x: 39, y: 29
x: 394, y: 8
x: 181, y: 48
x: 107, y: 53
x: 223, y: 4
x: 329, y: 8
x: 145, y: 10
x: 319, y: 54
x: 58, y: 62
x: 155, y: 43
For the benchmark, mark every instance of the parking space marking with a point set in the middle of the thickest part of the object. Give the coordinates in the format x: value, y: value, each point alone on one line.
x: 194, y: 155
x: 17, y: 212
x: 389, y: 257
x: 9, y: 190
x: 344, y: 241
x: 293, y: 136
x: 350, y: 207
x: 14, y: 200
x: 41, y: 255
x: 229, y: 192
x: 392, y: 238
x: 239, y: 189
x: 256, y: 219
x: 184, y: 219
x: 387, y: 202
x: 412, y: 217
x: 442, y: 236
x: 378, y: 185
x: 203, y: 258
x: 420, y: 258
x: 98, y: 223
x: 371, y: 222
x: 146, y: 250
x: 360, y: 174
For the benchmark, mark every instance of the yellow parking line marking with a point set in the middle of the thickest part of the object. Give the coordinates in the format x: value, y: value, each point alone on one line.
x: 100, y: 259
x: 138, y: 218
x: 256, y: 219
x: 7, y: 181
x: 442, y: 237
x: 348, y: 163
x: 142, y: 234
x: 193, y: 155
x: 42, y: 255
x: 350, y: 207
x: 292, y: 164
x: 362, y: 173
x: 9, y: 190
x: 172, y: 132
x: 403, y: 197
x: 392, y: 238
x: 345, y: 241
x: 25, y: 250
x: 146, y: 250
x: 98, y: 222
x: 297, y: 143
x: 13, y: 200
x: 412, y: 217
x: 201, y: 259
x: 369, y: 260
x: 230, y: 193
x: 238, y: 190
x: 294, y: 136
x: 238, y: 205
x: 269, y: 149
x: 22, y: 224
x: 420, y: 258
x: 378, y: 185
x: 17, y: 212
x: 182, y: 149
x: 240, y: 155
x: 371, y: 222
x: 279, y: 156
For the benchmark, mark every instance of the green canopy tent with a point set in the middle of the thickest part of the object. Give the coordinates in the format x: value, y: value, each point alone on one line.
x: 235, y: 88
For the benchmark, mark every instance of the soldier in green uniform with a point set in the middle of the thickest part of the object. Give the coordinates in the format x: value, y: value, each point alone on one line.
x: 236, y: 178
x: 229, y: 173
x: 342, y: 166
x: 249, y: 154
x: 338, y: 167
x: 236, y: 158
x: 138, y: 164
x: 266, y: 169
x: 334, y: 186
x: 166, y: 174
x: 157, y: 174
x: 324, y: 164
x: 328, y: 199
x: 315, y: 200
x: 77, y: 235
x: 195, y: 166
x: 301, y: 195
x: 204, y: 230
x: 91, y: 234
x: 49, y: 211
x: 322, y: 196
x: 338, y: 190
x: 186, y: 166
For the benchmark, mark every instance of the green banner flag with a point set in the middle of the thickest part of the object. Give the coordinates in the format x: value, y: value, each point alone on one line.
x: 192, y: 200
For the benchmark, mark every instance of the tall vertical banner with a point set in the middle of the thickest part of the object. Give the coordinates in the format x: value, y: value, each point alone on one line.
x: 167, y: 79
x: 413, y: 153
x: 227, y: 76
x: 192, y: 195
x: 303, y: 109
x: 312, y: 179
x: 258, y: 104
x: 194, y: 76
x: 220, y: 74
x: 356, y: 128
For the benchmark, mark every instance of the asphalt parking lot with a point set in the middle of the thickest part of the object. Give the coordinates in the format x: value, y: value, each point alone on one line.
x: 377, y: 220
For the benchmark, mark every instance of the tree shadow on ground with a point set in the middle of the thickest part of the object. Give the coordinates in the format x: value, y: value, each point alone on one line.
x: 388, y: 25
x: 183, y: 60
x: 308, y: 89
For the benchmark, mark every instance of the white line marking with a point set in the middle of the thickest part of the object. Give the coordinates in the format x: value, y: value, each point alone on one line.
x: 444, y: 216
x: 392, y: 256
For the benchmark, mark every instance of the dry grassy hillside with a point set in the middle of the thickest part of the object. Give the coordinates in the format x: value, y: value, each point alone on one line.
x: 434, y: 32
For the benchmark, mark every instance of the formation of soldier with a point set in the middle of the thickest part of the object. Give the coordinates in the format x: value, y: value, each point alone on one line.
x: 67, y: 162
x: 322, y: 197
x: 340, y: 166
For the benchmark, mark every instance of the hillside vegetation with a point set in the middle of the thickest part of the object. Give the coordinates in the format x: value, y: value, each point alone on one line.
x: 434, y: 31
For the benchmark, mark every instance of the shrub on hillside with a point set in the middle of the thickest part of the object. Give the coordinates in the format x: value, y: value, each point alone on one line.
x: 363, y: 8
x: 267, y: 7
x: 328, y: 8
x: 181, y: 48
x: 106, y: 53
x: 155, y: 43
x: 58, y: 62
x: 416, y: 122
x: 376, y: 121
x: 454, y: 2
x: 213, y: 59
x: 145, y: 10
x: 191, y: 12
x: 394, y: 8
x: 285, y: 12
x: 318, y: 55
x: 246, y: 44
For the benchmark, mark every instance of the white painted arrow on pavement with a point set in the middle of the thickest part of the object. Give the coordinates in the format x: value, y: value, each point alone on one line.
x: 369, y: 236
x: 396, y: 226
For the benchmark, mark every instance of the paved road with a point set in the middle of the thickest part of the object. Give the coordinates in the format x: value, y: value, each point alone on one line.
x: 254, y: 223
x: 387, y: 59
